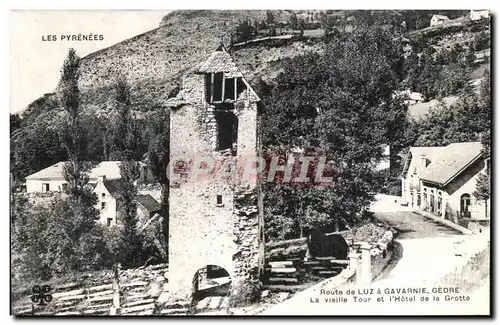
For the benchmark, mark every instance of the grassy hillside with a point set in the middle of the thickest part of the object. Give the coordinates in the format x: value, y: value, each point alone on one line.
x: 154, y: 62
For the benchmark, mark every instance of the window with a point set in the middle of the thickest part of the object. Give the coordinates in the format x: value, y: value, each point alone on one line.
x: 103, y: 194
x: 219, y: 88
x: 45, y: 187
x: 103, y: 205
x: 219, y: 201
x: 465, y: 201
x: 109, y: 221
x: 432, y: 202
x: 227, y: 129
x: 229, y: 88
x: 218, y: 82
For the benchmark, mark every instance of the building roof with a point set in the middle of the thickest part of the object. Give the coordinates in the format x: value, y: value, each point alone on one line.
x: 148, y: 202
x: 113, y: 187
x: 441, y: 17
x: 110, y: 169
x: 416, y: 96
x: 452, y: 160
x: 221, y: 61
x: 429, y: 152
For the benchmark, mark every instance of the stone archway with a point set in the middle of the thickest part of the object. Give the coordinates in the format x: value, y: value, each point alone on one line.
x: 211, y: 286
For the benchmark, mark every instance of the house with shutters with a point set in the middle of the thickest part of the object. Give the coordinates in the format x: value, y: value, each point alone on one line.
x: 105, y: 179
x: 439, y: 20
x: 442, y: 180
x: 479, y: 14
x: 51, y: 179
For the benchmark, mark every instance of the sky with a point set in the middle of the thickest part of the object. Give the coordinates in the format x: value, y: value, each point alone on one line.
x: 35, y: 64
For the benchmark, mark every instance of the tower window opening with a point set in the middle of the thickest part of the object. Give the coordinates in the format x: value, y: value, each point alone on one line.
x: 227, y: 130
x: 220, y: 88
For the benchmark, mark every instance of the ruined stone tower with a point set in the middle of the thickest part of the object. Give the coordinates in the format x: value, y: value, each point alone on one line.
x: 215, y: 220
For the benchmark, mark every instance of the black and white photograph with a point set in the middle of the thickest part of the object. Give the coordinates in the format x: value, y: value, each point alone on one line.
x: 232, y: 162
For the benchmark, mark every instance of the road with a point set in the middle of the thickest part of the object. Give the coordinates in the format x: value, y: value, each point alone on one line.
x: 410, y: 225
x: 424, y: 252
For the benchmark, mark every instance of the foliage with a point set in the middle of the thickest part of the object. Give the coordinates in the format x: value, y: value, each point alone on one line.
x: 343, y: 104
x: 481, y: 41
x: 129, y: 172
x: 269, y: 17
x: 294, y: 22
x: 33, y: 148
x: 124, y: 132
x: 244, y: 31
x: 440, y: 74
x: 47, y: 244
x: 482, y: 191
x: 467, y: 120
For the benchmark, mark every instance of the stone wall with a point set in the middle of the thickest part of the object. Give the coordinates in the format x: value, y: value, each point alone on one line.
x: 381, y: 253
x: 246, y: 236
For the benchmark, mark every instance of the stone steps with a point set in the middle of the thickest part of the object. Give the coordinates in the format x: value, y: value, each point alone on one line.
x: 138, y: 308
x: 174, y: 311
x: 275, y: 280
x: 138, y: 302
x: 68, y: 313
x: 286, y: 288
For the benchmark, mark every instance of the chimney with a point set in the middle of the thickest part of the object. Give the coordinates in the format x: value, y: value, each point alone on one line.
x: 101, y: 179
x: 423, y: 161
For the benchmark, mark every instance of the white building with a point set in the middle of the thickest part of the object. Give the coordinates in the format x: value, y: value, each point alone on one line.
x: 410, y: 97
x: 442, y: 180
x: 106, y: 178
x: 479, y: 14
x: 108, y: 197
x: 51, y: 179
x: 439, y: 19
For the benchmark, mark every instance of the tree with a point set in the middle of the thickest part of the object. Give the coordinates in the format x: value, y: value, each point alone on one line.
x: 483, y: 183
x: 132, y: 250
x: 482, y: 191
x: 469, y: 119
x: 340, y: 106
x: 481, y: 41
x: 81, y: 213
x: 244, y: 31
x: 158, y: 157
x: 294, y: 23
x: 302, y: 26
x: 34, y: 147
x: 124, y: 134
x: 269, y: 18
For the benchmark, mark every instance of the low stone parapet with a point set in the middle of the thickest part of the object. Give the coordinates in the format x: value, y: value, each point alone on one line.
x: 444, y: 222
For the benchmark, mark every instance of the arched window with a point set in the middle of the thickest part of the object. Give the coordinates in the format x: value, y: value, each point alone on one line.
x: 465, y: 201
x: 432, y: 201
x: 440, y: 202
x: 425, y: 199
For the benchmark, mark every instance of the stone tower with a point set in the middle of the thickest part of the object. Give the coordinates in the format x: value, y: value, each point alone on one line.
x: 215, y: 219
